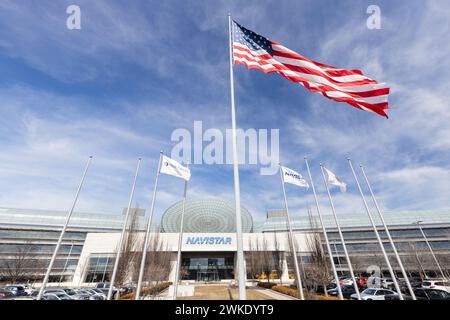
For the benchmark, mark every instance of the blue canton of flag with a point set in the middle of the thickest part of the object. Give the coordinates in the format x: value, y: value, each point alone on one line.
x: 250, y: 39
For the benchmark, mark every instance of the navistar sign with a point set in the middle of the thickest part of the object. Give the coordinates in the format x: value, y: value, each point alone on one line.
x: 208, y: 240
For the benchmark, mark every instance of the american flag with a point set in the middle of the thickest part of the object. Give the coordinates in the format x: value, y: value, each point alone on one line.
x: 351, y: 86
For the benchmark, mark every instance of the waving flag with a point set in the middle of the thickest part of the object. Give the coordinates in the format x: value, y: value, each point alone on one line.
x: 334, y: 180
x: 293, y: 177
x: 351, y: 86
x: 174, y: 168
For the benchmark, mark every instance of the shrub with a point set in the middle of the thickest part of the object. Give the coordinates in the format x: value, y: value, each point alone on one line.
x: 148, y: 291
x: 267, y: 285
x: 286, y: 290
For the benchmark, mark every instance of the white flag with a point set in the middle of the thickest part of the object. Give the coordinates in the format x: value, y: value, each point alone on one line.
x: 293, y: 177
x: 335, y: 181
x: 173, y: 168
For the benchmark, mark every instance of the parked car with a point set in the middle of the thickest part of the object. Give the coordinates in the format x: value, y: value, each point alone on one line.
x: 69, y: 291
x: 415, y: 283
x: 373, y: 294
x: 27, y: 288
x: 423, y: 294
x: 104, y: 286
x: 54, y: 290
x: 16, y: 290
x: 347, y: 291
x: 92, y: 294
x: 99, y: 291
x: 436, y: 284
x: 56, y: 296
x: 387, y: 283
x: 80, y: 296
x: 361, y: 282
x: 5, y: 293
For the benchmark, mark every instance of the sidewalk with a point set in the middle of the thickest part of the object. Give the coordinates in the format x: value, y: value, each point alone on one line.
x: 275, y: 295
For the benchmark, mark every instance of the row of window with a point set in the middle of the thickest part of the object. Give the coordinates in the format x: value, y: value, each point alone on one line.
x: 401, y: 246
x: 35, y: 234
x: 407, y: 233
x: 69, y: 264
x: 29, y: 249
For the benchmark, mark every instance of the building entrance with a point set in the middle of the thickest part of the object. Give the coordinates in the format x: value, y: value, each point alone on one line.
x: 207, y: 267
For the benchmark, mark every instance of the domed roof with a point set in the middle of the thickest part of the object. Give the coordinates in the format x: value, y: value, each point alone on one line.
x: 205, y: 215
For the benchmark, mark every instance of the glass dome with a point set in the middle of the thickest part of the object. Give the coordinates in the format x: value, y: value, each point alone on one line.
x: 205, y: 215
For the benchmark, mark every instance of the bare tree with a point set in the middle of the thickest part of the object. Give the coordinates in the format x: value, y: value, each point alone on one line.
x: 278, y: 258
x: 126, y: 269
x: 158, y: 260
x: 267, y: 261
x: 22, y: 265
x: 253, y: 260
x: 317, y: 270
x: 417, y: 261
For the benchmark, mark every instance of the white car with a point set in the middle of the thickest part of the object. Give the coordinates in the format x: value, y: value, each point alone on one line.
x: 373, y: 294
x: 436, y: 284
x: 346, y: 282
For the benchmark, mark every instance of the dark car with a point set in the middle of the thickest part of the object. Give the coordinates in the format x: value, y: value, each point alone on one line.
x: 423, y: 294
x: 69, y: 291
x: 17, y: 291
x: 347, y: 291
x: 415, y: 283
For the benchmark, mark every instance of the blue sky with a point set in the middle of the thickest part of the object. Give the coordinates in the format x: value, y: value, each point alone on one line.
x: 136, y: 71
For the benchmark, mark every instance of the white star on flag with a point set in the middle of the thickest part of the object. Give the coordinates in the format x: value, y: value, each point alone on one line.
x: 293, y: 177
x: 333, y: 180
x: 174, y: 168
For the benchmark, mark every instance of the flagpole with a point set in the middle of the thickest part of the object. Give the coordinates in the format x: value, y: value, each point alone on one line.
x: 291, y: 236
x: 240, y: 250
x: 388, y: 263
x: 147, y: 233
x: 119, y: 248
x: 431, y: 250
x: 180, y: 243
x: 63, y: 231
x: 399, y: 261
x: 344, y: 246
x: 338, y: 285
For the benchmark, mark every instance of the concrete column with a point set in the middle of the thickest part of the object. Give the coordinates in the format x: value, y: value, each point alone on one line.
x: 173, y: 266
x: 285, y: 270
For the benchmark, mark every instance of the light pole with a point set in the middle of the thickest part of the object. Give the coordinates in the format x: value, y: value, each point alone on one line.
x: 429, y: 247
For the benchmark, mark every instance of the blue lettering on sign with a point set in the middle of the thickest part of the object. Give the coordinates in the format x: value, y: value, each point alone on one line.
x: 208, y: 240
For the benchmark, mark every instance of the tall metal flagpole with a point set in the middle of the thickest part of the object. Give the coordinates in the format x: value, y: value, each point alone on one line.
x: 431, y: 250
x: 338, y: 286
x: 240, y: 248
x: 388, y: 263
x: 397, y: 256
x: 291, y: 236
x: 63, y: 231
x: 180, y: 243
x: 344, y: 246
x: 122, y: 234
x: 147, y: 233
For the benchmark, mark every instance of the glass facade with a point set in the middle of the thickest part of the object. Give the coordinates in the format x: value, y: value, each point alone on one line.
x: 99, y: 269
x: 205, y: 215
x: 207, y: 267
